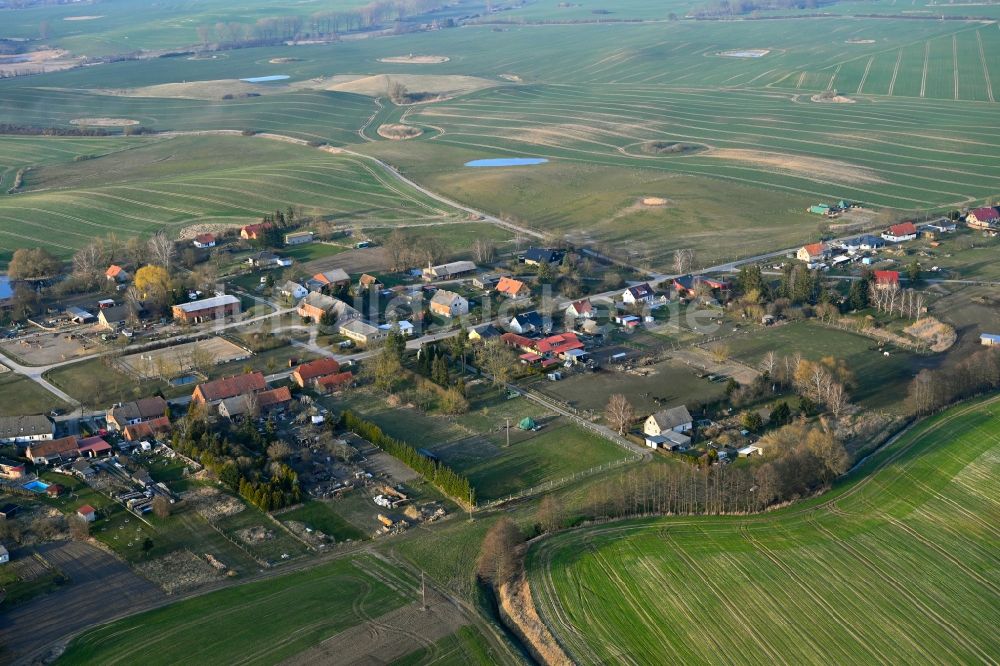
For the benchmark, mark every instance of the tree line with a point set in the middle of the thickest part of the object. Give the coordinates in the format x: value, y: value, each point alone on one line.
x: 444, y: 478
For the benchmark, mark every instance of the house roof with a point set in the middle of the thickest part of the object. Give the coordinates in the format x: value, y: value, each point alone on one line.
x: 209, y: 303
x: 640, y: 290
x: 368, y: 280
x: 543, y: 255
x: 276, y: 396
x: 445, y: 297
x: 510, y: 286
x: 985, y: 213
x: 144, y: 408
x: 887, y: 277
x: 291, y: 287
x: 205, y: 238
x: 673, y: 417
x: 993, y: 337
x: 359, y: 327
x: 582, y: 306
x: 317, y: 368
x: 227, y: 387
x: 530, y: 318
x: 337, y: 379
x: 332, y: 276
x: 25, y: 426
x: 451, y: 268
x: 903, y: 229
x: 815, y: 249
x: 254, y: 229
x: 53, y: 447
x: 95, y: 444
x: 114, y: 270
x: 147, y: 428
x: 85, y: 510
x: 558, y: 344
x: 114, y: 314
x: 318, y: 300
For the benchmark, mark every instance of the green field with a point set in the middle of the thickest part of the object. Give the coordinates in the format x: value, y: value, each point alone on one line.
x: 896, y: 564
x: 150, y: 185
x: 262, y: 622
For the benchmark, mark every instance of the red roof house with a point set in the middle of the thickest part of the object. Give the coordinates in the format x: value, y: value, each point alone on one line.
x: 87, y: 512
x: 254, y: 231
x: 886, y: 279
x: 204, y: 240
x: 228, y: 387
x: 91, y: 447
x: 306, y: 372
x: 335, y: 382
x: 983, y: 218
x: 903, y: 231
x: 147, y: 429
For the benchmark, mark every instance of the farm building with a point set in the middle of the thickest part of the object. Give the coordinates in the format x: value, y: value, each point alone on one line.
x: 335, y: 382
x: 640, y: 293
x: 886, y: 279
x: 79, y: 315
x: 116, y: 273
x: 204, y: 241
x: 299, y: 238
x: 47, y: 452
x: 676, y: 419
x: 513, y: 289
x: 20, y: 429
x: 485, y: 280
x: 537, y: 256
x: 207, y: 309
x: 450, y: 270
x: 315, y: 305
x: 750, y: 450
x: 329, y: 280
x: 983, y: 218
x: 129, y: 413
x: 669, y: 440
x: 900, y: 233
x: 11, y: 469
x: 263, y: 259
x: 989, y: 339
x: 114, y: 317
x: 942, y: 226
x: 446, y: 303
x: 254, y: 231
x: 812, y: 253
x: 362, y: 332
x: 92, y: 447
x: 215, y: 391
x: 305, y: 373
x: 820, y: 209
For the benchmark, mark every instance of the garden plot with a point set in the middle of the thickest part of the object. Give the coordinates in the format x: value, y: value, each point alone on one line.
x: 172, y: 361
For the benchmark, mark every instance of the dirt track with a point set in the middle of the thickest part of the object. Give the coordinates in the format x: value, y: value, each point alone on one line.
x: 102, y: 588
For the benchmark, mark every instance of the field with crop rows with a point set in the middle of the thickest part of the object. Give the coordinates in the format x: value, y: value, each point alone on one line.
x: 898, y: 564
x: 151, y: 185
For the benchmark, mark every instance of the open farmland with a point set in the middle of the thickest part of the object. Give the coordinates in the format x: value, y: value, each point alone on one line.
x: 898, y: 565
x: 150, y: 186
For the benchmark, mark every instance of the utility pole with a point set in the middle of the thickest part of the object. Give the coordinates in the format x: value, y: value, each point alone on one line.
x: 508, y: 432
x: 423, y: 592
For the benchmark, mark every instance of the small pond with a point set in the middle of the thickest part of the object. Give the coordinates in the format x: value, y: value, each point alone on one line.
x: 507, y: 161
x: 36, y: 486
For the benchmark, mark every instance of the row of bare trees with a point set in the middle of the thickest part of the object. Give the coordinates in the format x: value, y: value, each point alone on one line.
x: 405, y: 250
x: 931, y: 390
x: 892, y: 300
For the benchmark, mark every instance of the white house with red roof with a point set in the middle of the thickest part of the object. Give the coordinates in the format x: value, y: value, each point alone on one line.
x: 204, y: 241
x: 900, y: 233
x: 813, y: 252
x: 886, y: 279
x: 582, y: 309
x: 986, y: 217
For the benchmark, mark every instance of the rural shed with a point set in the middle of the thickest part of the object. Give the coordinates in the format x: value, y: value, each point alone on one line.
x: 79, y: 315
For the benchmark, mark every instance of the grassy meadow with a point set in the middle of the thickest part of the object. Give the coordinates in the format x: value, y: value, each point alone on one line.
x: 898, y: 563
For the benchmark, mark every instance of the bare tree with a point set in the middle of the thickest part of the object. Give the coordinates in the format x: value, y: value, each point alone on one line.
x: 683, y: 261
x: 550, y: 514
x: 769, y: 363
x: 619, y: 413
x: 161, y: 506
x: 161, y: 249
x: 498, y: 555
x: 89, y: 261
x: 483, y: 250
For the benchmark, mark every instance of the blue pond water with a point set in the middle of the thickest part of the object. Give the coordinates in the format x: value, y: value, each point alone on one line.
x: 265, y: 79
x: 507, y: 161
x: 36, y: 486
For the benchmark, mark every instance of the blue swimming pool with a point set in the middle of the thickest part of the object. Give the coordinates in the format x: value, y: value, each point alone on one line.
x: 507, y: 161
x: 265, y: 79
x: 36, y: 486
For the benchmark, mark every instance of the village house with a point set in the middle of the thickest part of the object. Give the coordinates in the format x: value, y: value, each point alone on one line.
x: 529, y: 322
x: 207, y: 309
x: 449, y: 271
x: 328, y: 281
x: 484, y: 332
x: 446, y: 303
x: 639, y: 293
x: 129, y: 413
x: 299, y: 238
x: 113, y: 318
x: 204, y: 241
x: 217, y: 390
x: 886, y: 279
x: 486, y: 280
x: 29, y: 428
x: 87, y: 512
x: 864, y: 243
x: 11, y: 469
x: 986, y: 217
x: 315, y: 304
x: 116, y: 273
x: 989, y: 339
x: 537, y: 256
x: 362, y: 332
x: 368, y: 281
x: 305, y: 373
x: 582, y: 309
x: 266, y: 259
x: 334, y: 383
x: 82, y: 469
x: 47, y: 452
x: 900, y: 233
x: 403, y: 326
x: 676, y: 419
x: 151, y: 429
x: 293, y: 290
x: 513, y: 289
x: 812, y: 253
x: 942, y: 226
x: 256, y: 404
x: 254, y: 231
x: 687, y: 285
